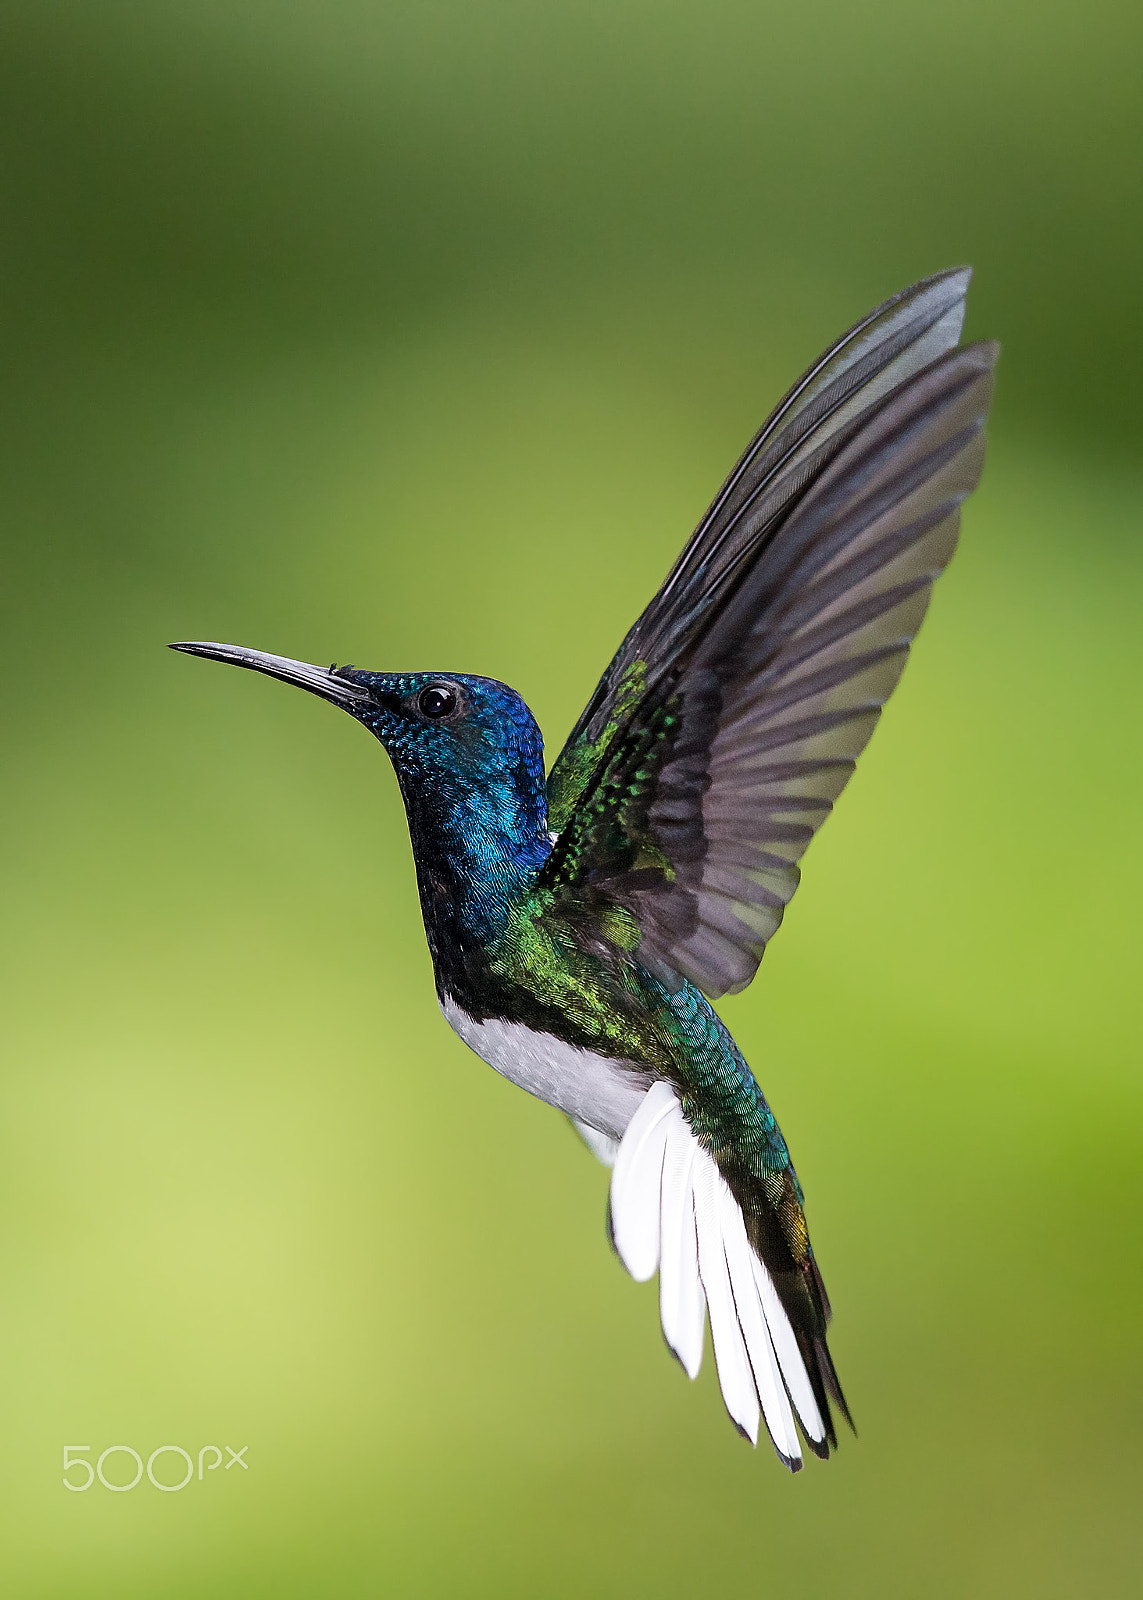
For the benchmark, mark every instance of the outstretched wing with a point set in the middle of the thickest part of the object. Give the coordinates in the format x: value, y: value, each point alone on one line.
x: 735, y: 709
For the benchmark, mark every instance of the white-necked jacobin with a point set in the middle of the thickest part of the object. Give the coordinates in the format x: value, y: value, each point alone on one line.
x: 580, y: 925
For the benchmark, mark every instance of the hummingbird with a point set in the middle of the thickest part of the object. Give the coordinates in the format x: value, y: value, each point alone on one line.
x: 581, y: 923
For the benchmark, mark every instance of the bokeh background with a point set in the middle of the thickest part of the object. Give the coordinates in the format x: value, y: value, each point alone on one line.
x: 419, y: 335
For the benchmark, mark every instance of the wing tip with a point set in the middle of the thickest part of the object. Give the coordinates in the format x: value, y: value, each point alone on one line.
x: 987, y: 352
x: 956, y: 279
x: 961, y: 275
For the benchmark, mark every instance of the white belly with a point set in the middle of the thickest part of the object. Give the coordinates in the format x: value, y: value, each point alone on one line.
x: 601, y: 1093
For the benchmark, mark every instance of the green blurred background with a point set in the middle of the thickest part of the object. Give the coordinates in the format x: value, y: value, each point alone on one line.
x: 419, y: 336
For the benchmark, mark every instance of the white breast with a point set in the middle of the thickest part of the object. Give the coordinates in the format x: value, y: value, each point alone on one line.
x: 601, y: 1093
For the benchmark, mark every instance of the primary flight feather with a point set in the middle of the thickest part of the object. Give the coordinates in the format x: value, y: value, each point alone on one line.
x: 580, y: 926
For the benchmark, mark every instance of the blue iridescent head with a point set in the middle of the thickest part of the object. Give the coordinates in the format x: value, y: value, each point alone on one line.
x: 468, y: 755
x: 461, y: 746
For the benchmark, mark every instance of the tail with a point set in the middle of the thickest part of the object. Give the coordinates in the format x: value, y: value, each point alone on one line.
x: 673, y: 1210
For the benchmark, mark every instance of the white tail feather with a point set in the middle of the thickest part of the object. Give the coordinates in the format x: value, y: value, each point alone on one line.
x: 671, y: 1208
x: 636, y: 1182
x: 755, y: 1335
x: 682, y: 1301
x: 789, y: 1356
x: 734, y: 1374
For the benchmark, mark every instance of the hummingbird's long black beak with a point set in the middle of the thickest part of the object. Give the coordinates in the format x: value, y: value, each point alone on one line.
x: 324, y: 681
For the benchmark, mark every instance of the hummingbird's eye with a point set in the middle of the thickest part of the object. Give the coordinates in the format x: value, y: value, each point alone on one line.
x: 436, y: 702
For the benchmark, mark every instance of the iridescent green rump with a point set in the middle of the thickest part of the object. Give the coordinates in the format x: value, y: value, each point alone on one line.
x: 733, y: 1120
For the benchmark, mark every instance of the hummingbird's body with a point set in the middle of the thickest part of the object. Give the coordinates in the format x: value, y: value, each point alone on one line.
x: 578, y: 923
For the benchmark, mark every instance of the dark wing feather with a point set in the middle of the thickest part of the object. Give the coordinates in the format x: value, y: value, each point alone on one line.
x: 797, y: 440
x: 719, y: 747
